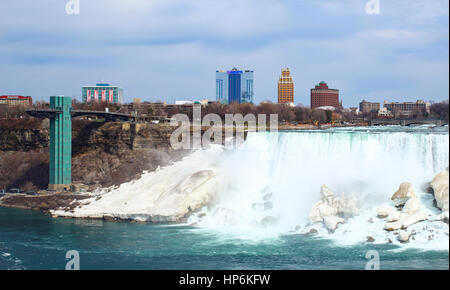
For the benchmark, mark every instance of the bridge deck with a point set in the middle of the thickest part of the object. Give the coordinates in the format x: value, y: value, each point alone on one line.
x: 43, y: 113
x: 106, y: 115
x: 406, y: 122
x: 51, y: 113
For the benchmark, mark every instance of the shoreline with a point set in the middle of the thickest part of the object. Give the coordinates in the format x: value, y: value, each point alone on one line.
x: 43, y: 203
x: 67, y: 204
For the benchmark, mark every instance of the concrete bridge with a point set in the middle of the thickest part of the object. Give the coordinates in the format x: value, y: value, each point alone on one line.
x: 406, y: 122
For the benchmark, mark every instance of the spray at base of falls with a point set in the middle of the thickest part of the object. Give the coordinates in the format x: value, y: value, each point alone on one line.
x: 268, y: 186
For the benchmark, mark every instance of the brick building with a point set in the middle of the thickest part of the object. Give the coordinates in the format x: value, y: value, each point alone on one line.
x: 368, y: 107
x: 322, y: 96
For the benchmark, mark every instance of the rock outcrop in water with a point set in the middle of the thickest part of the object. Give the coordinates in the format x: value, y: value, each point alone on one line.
x: 408, y: 209
x: 332, y: 210
x: 408, y: 220
x: 384, y: 212
x: 440, y: 186
x: 404, y: 236
x: 403, y: 194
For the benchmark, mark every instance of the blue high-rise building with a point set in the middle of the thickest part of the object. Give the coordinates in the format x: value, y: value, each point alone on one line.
x: 247, y: 87
x: 234, y: 86
x: 222, y: 87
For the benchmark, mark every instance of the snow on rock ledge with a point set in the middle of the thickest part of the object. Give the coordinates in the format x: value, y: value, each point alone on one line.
x: 330, y: 209
x: 440, y: 185
x: 403, y: 194
x: 408, y: 212
x: 166, y: 195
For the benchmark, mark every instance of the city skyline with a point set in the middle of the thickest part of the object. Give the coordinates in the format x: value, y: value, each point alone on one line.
x: 398, y: 55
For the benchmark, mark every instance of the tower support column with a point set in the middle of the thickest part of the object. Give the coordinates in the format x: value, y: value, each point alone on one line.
x: 61, y: 144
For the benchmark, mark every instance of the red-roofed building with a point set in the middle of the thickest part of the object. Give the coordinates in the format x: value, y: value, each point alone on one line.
x: 16, y: 101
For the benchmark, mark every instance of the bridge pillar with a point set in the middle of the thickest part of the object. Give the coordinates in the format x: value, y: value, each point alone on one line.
x: 61, y: 144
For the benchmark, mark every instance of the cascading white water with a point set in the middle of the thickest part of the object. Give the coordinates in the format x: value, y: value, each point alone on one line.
x: 269, y: 185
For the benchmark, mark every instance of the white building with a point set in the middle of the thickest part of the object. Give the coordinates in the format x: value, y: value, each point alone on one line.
x: 384, y: 112
x: 326, y: 108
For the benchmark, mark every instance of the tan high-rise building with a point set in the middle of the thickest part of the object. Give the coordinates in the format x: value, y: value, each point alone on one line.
x: 285, y: 87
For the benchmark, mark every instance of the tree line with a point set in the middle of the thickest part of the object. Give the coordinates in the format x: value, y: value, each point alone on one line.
x: 287, y: 114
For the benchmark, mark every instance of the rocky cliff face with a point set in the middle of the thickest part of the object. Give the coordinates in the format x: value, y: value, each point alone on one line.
x: 104, y: 154
x: 23, y: 139
x: 114, y: 138
x: 87, y: 136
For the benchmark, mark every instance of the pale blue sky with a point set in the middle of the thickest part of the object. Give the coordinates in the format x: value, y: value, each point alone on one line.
x: 170, y: 49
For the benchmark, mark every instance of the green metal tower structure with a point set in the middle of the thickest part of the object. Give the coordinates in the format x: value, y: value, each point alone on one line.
x: 61, y: 143
x: 60, y: 115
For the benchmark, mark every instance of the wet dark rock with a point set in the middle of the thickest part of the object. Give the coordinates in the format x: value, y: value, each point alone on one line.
x: 109, y: 218
x: 426, y: 187
x: 45, y: 202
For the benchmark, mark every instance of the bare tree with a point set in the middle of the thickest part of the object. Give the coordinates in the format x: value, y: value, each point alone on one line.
x: 440, y: 110
x: 285, y: 113
x: 319, y: 116
x: 302, y: 114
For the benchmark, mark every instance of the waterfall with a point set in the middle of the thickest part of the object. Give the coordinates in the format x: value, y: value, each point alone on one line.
x: 270, y: 183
